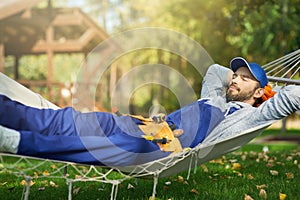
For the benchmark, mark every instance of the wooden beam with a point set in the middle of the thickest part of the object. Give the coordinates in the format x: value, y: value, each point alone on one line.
x: 56, y: 46
x: 65, y: 46
x: 12, y: 7
x: 87, y: 36
x: 67, y: 20
x: 90, y: 23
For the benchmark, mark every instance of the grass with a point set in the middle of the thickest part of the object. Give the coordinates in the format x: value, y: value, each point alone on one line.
x: 244, y: 172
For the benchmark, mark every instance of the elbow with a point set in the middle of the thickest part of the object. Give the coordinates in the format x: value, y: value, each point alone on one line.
x: 291, y: 98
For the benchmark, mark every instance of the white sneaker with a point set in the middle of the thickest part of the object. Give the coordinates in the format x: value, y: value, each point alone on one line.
x: 9, y: 140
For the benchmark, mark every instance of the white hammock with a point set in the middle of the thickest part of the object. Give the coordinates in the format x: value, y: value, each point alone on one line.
x: 164, y: 167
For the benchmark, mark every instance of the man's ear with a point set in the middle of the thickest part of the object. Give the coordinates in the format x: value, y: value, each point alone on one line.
x: 259, y: 92
x: 229, y: 77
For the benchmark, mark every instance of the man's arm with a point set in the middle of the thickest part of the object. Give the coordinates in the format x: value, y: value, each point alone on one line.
x: 215, y: 81
x: 284, y: 103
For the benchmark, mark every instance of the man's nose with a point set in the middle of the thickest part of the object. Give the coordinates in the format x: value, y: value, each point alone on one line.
x: 236, y: 79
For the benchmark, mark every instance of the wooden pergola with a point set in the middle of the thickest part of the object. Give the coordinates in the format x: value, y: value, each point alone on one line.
x: 29, y: 29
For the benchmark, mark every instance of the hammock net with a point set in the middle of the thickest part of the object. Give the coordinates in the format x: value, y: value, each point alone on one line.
x: 280, y: 72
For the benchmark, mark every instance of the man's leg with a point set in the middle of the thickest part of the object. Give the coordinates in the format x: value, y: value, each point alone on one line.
x: 65, y: 121
x: 116, y: 150
x: 17, y: 116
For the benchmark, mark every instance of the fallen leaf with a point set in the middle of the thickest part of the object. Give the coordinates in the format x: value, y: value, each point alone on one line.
x: 129, y: 186
x: 263, y: 194
x: 274, y: 172
x: 180, y: 179
x: 289, y: 175
x: 23, y: 182
x: 53, y: 167
x: 238, y: 173
x: 46, y: 173
x: 52, y: 184
x: 168, y: 183
x: 247, y: 197
x: 295, y: 162
x: 35, y: 174
x: 260, y: 155
x: 194, y: 191
x: 289, y: 158
x: 253, y: 153
x: 83, y: 168
x: 263, y: 186
x: 243, y: 157
x: 94, y: 175
x: 271, y: 162
x: 269, y: 165
x: 268, y: 159
x: 218, y: 161
x: 282, y: 196
x: 41, y: 189
x: 76, y: 190
x: 250, y: 176
x: 205, y: 169
x: 236, y: 166
x: 44, y: 182
x: 77, y: 177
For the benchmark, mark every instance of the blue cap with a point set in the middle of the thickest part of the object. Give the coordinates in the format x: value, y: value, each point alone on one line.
x: 256, y: 70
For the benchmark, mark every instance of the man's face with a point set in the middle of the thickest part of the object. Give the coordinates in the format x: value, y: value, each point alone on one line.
x: 243, y: 86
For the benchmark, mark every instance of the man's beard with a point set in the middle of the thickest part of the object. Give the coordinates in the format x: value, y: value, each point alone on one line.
x: 240, y: 96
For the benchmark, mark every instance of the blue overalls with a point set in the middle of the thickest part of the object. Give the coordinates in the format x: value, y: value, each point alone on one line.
x: 98, y: 137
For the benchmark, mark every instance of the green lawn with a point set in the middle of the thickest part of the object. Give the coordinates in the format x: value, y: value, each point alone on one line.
x: 244, y: 172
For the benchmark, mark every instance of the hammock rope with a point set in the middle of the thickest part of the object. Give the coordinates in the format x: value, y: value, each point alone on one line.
x: 284, y: 70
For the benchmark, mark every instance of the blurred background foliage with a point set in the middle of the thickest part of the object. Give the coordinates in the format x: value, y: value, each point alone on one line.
x: 260, y: 31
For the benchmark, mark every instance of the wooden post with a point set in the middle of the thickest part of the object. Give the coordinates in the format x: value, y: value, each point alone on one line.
x: 283, y: 127
x: 16, y: 68
x: 50, y: 39
x: 2, y: 57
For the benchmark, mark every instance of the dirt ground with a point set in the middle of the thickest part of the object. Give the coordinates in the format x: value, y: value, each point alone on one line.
x: 290, y: 124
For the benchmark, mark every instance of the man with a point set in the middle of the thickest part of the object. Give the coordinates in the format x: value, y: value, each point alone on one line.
x: 226, y: 107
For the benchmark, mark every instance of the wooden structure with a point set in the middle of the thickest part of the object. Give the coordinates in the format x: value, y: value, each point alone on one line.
x: 30, y: 30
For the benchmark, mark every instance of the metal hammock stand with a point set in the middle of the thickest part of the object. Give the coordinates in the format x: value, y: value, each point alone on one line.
x: 282, y: 71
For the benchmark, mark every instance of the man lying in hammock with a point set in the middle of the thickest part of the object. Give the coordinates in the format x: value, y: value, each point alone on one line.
x: 107, y: 139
